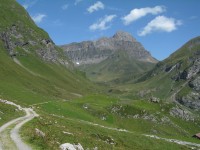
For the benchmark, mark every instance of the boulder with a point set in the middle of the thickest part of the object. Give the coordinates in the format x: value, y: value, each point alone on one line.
x: 39, y: 133
x: 68, y: 146
x: 154, y: 99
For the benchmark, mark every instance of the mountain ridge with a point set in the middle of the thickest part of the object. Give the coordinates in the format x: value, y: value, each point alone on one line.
x: 91, y: 52
x: 110, y: 59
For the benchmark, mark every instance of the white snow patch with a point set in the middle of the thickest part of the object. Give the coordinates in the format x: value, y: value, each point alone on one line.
x: 77, y: 63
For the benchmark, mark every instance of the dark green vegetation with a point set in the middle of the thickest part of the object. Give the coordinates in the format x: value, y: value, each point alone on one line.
x: 34, y: 72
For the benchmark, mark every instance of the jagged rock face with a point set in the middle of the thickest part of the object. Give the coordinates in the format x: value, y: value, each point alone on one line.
x: 90, y: 52
x: 19, y: 43
x: 123, y: 36
x: 195, y: 84
x: 181, y: 113
x: 191, y: 100
x: 191, y: 71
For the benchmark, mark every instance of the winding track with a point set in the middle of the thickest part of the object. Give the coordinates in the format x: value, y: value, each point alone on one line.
x: 15, y: 125
x: 30, y: 114
x: 190, y: 145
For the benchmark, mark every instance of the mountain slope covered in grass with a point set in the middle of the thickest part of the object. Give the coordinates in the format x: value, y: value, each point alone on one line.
x: 117, y: 68
x: 32, y: 68
x: 175, y: 78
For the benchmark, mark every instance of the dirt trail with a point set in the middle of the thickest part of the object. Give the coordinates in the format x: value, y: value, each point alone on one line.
x: 9, y: 132
x: 180, y: 142
x: 190, y: 144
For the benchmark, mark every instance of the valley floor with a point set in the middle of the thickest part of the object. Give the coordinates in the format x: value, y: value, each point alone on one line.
x: 10, y: 138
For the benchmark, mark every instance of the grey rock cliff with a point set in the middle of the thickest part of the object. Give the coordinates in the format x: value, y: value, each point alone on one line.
x: 19, y: 41
x: 195, y: 84
x: 90, y: 52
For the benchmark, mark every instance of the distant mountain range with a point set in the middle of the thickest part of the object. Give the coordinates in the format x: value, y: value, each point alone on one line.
x: 109, y: 59
x: 91, y: 52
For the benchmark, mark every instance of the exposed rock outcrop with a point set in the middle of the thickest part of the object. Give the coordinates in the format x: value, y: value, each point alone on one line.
x: 39, y: 133
x: 195, y: 84
x: 20, y: 41
x: 68, y: 146
x: 182, y: 113
x: 154, y: 99
x: 90, y: 52
x: 191, y: 71
x: 191, y: 100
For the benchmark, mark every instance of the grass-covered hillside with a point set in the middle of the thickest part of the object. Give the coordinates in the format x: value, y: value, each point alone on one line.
x: 171, y: 78
x: 32, y: 68
x: 117, y: 68
x: 108, y: 123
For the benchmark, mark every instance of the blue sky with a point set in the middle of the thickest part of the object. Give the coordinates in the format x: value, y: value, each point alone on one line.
x: 162, y: 26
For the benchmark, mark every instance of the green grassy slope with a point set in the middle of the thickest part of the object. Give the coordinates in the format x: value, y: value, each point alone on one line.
x: 166, y: 77
x: 118, y: 68
x: 50, y: 82
x: 89, y: 121
x: 34, y: 80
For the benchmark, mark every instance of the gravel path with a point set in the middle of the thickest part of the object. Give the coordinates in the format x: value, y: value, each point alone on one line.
x: 15, y: 126
x: 184, y: 143
x: 174, y: 141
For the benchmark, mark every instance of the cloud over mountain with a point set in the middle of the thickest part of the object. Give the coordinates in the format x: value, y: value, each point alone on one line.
x: 138, y: 13
x: 38, y: 18
x: 160, y: 23
x: 103, y: 23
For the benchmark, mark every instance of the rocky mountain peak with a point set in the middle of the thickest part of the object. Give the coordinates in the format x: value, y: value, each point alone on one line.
x: 123, y: 36
x: 92, y: 52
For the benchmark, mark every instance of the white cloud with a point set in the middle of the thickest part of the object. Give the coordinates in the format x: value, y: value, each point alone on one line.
x: 38, y: 18
x: 103, y: 23
x: 160, y: 23
x: 98, y: 5
x: 64, y: 7
x: 136, y: 14
x: 77, y: 2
